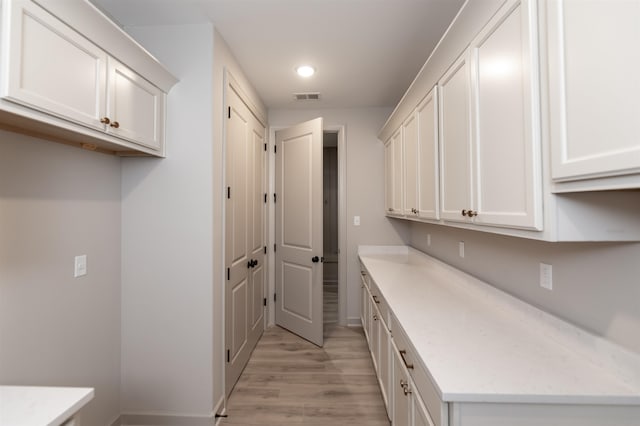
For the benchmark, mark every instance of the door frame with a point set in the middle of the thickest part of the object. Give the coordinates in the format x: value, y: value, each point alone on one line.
x: 342, y: 222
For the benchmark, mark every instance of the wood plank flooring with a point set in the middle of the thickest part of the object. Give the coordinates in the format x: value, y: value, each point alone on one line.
x: 289, y: 381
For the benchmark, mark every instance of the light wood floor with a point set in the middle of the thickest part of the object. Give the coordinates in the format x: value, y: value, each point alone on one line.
x: 289, y: 381
x: 330, y: 301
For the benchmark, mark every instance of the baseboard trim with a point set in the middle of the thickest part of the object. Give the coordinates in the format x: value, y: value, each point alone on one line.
x: 354, y: 322
x: 161, y: 420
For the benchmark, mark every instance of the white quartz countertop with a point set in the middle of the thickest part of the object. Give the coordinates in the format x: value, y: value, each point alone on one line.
x: 40, y: 405
x: 479, y: 344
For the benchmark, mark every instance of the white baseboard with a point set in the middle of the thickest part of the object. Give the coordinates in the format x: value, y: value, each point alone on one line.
x: 354, y: 322
x: 162, y: 420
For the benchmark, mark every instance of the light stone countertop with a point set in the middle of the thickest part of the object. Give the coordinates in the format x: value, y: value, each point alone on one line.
x: 479, y: 344
x: 40, y: 405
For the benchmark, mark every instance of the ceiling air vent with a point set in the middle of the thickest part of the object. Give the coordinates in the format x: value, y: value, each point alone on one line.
x: 308, y: 96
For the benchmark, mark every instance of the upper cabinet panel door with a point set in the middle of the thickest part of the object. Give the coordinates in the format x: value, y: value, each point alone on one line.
x: 388, y: 176
x: 428, y: 170
x: 455, y: 141
x: 135, y: 107
x: 506, y: 125
x: 594, y: 87
x: 410, y: 148
x: 52, y: 68
x: 398, y: 175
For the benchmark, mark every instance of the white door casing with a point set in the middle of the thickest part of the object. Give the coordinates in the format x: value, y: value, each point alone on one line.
x: 244, y: 239
x: 299, y: 230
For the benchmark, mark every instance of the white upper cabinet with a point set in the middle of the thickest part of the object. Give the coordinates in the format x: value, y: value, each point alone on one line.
x: 62, y: 83
x: 489, y: 126
x: 505, y: 115
x: 136, y: 107
x: 397, y: 173
x: 594, y: 90
x: 410, y: 154
x: 388, y: 176
x: 428, y: 167
x: 52, y: 68
x: 455, y: 141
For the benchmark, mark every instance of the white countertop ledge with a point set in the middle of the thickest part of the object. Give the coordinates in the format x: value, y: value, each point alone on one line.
x: 40, y: 405
x: 479, y: 344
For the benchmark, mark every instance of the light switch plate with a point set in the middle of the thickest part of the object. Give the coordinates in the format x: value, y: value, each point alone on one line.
x: 356, y: 221
x: 80, y: 266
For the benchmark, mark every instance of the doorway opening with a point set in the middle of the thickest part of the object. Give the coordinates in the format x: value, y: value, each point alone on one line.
x: 330, y: 227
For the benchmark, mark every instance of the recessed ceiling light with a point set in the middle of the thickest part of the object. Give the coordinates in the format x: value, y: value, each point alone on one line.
x: 305, y: 71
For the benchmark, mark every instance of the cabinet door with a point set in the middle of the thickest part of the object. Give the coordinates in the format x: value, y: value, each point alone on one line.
x: 364, y: 310
x: 410, y: 154
x: 594, y: 87
x: 374, y: 337
x: 398, y: 166
x: 384, y: 362
x: 401, y: 398
x: 506, y: 128
x: 135, y: 107
x: 52, y: 68
x: 455, y: 137
x: 388, y: 176
x: 428, y: 169
x: 419, y: 412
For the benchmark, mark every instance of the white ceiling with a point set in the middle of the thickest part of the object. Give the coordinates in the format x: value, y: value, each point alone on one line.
x: 366, y: 52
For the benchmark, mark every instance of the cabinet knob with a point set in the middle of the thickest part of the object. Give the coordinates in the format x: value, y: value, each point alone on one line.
x: 464, y: 212
x: 472, y: 213
x: 105, y: 120
x: 115, y: 124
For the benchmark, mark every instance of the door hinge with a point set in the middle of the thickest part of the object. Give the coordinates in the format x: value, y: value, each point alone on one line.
x: 265, y: 197
x: 274, y: 297
x: 229, y: 113
x: 264, y: 301
x: 228, y: 192
x: 274, y: 247
x: 228, y: 356
x: 275, y: 197
x: 275, y: 149
x: 265, y: 249
x: 265, y: 146
x: 228, y: 274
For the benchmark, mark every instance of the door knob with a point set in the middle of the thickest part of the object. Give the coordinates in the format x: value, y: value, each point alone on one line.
x: 315, y: 259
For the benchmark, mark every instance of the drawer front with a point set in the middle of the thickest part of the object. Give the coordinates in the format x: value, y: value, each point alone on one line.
x: 438, y: 410
x: 380, y: 302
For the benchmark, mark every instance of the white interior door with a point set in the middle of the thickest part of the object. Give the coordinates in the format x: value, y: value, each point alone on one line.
x: 244, y: 244
x: 299, y: 211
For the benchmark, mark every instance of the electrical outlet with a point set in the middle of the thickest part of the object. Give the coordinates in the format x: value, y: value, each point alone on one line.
x: 356, y: 221
x: 80, y: 266
x: 546, y: 276
x: 461, y: 248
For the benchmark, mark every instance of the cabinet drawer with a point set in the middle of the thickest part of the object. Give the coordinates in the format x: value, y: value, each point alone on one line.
x: 438, y: 410
x: 380, y: 302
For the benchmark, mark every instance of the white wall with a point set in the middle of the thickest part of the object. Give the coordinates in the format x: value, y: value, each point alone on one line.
x: 167, y: 242
x: 57, y: 202
x: 364, y: 184
x: 595, y: 285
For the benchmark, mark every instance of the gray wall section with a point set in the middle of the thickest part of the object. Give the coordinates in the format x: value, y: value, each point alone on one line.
x: 57, y: 202
x: 364, y: 184
x: 167, y: 241
x: 595, y: 285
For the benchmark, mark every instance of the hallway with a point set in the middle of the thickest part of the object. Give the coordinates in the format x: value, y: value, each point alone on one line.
x: 289, y: 381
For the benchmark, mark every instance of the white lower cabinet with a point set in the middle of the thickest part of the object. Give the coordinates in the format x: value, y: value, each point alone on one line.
x: 408, y: 406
